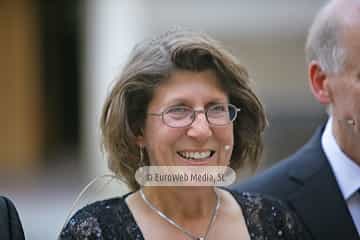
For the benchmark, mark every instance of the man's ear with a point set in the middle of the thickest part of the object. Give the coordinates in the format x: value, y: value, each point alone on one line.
x: 319, y: 82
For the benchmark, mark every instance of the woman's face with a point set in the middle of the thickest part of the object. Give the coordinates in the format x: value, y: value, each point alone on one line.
x: 198, y: 144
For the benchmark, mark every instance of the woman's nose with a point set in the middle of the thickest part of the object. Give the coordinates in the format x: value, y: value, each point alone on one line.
x: 200, y: 128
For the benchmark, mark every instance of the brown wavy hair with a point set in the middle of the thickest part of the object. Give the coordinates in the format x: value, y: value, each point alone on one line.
x: 149, y: 65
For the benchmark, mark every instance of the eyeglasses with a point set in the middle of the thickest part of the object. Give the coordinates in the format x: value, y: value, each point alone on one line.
x: 182, y: 116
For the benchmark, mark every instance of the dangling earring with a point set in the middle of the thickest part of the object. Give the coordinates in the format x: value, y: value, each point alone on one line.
x: 141, y: 153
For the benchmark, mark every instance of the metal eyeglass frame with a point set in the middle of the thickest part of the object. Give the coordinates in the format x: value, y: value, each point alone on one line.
x: 194, y: 115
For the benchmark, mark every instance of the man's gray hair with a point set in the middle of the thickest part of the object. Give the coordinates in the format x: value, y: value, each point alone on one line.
x: 324, y: 40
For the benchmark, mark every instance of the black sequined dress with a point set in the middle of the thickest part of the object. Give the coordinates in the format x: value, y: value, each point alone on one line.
x: 266, y: 219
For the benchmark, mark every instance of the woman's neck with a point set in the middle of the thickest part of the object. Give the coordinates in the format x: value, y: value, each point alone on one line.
x: 182, y: 202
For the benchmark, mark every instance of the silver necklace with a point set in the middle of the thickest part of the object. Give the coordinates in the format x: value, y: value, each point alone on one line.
x: 172, y: 222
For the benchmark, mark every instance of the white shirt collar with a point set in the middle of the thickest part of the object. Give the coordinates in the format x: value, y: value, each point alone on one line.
x: 346, y: 171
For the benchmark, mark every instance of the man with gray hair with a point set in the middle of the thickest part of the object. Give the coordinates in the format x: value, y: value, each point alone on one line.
x: 321, y: 181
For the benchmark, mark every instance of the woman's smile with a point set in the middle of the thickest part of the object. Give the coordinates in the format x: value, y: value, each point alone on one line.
x: 196, y: 155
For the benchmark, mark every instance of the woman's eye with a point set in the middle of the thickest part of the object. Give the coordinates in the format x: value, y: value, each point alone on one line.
x: 178, y: 110
x: 177, y: 113
x: 218, y: 108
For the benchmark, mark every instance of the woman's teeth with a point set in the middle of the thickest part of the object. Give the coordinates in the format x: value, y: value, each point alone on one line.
x: 195, y: 155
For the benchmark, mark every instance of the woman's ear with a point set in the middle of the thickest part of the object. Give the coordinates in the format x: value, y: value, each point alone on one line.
x: 318, y: 81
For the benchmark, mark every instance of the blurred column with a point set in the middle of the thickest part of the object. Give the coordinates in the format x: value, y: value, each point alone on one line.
x: 112, y: 28
x: 21, y: 129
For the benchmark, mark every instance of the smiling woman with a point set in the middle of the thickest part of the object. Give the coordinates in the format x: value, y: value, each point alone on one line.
x: 182, y: 100
x: 192, y: 59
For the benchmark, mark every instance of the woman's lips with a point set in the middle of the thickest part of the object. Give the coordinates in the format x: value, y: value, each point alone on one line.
x: 196, y: 157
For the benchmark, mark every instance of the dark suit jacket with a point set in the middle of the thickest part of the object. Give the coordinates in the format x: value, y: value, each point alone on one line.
x: 307, y: 184
x: 10, y: 225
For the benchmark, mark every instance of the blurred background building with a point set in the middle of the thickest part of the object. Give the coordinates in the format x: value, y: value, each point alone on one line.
x: 58, y: 59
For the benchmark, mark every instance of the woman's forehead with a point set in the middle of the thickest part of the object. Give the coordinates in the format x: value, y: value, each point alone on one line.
x: 187, y: 85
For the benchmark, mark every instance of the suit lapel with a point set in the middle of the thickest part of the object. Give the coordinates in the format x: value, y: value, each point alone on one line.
x: 325, y: 212
x: 4, y: 220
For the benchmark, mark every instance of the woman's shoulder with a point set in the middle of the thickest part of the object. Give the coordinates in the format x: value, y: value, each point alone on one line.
x: 258, y: 202
x: 268, y: 216
x: 97, y: 220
